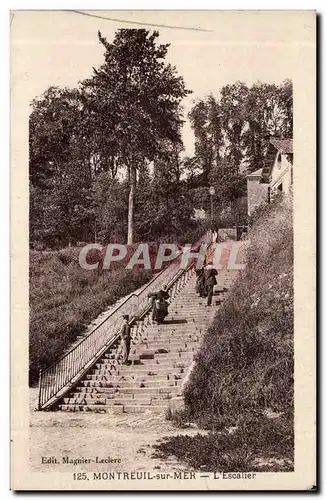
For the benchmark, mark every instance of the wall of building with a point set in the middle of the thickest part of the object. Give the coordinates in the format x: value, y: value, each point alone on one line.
x: 257, y: 193
x: 281, y: 174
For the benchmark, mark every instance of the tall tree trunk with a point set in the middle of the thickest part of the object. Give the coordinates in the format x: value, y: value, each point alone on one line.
x: 131, y: 205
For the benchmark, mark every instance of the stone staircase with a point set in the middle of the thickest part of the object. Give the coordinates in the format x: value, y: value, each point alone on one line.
x: 160, y: 357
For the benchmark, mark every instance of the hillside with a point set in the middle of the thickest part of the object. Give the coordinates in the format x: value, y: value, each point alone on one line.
x: 242, y: 386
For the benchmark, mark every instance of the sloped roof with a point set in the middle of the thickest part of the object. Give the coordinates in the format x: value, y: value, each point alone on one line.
x: 256, y: 173
x: 284, y: 146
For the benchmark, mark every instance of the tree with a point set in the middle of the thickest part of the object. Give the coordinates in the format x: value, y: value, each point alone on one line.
x: 205, y: 119
x: 268, y: 113
x: 111, y: 207
x: 234, y: 120
x: 134, y: 99
x: 60, y: 168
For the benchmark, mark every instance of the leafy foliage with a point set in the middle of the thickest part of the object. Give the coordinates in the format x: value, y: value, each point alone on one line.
x: 232, y: 133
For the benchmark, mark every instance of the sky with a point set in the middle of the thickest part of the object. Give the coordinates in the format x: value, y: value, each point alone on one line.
x: 60, y: 48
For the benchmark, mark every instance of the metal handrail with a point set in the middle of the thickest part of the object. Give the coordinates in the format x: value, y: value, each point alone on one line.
x: 58, y: 378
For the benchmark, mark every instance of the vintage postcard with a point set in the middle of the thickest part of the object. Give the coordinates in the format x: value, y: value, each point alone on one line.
x: 163, y: 195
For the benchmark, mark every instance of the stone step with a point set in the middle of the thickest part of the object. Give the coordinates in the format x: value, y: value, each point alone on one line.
x: 130, y: 390
x: 166, y: 368
x: 176, y: 363
x: 183, y: 326
x: 139, y: 384
x: 175, y: 350
x: 141, y: 372
x: 138, y: 370
x: 158, y: 356
x: 114, y: 408
x: 161, y: 370
x: 190, y: 302
x: 193, y: 302
x: 157, y: 362
x: 185, y: 305
x: 180, y: 311
x: 172, y: 349
x: 88, y: 400
x: 154, y: 346
x: 165, y: 347
x: 172, y: 333
x: 151, y: 381
x: 185, y: 339
x: 164, y: 343
x: 160, y: 408
x: 175, y: 356
x: 167, y: 337
x: 190, y: 316
x: 222, y: 286
x: 138, y: 376
x: 121, y: 399
x: 142, y: 381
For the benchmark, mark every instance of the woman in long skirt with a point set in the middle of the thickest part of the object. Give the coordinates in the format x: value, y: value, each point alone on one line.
x: 200, y: 282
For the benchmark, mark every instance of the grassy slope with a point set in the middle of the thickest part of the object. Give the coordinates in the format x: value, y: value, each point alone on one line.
x: 64, y: 299
x: 244, y: 372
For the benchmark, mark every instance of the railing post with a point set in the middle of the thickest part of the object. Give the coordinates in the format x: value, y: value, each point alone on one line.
x: 39, y: 389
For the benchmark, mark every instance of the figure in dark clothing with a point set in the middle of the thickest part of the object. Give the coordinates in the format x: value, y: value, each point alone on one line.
x: 125, y: 339
x: 200, y: 282
x: 163, y: 294
x: 210, y: 282
x: 160, y: 304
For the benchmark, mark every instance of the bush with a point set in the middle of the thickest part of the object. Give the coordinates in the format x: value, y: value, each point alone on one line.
x: 246, y: 360
x: 234, y: 215
x: 254, y: 444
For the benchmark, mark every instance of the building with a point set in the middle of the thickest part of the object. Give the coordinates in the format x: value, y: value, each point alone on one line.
x: 275, y: 175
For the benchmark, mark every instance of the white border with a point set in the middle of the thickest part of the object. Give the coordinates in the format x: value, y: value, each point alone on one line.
x: 4, y: 137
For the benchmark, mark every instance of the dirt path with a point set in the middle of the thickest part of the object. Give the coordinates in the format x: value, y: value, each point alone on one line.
x: 126, y: 438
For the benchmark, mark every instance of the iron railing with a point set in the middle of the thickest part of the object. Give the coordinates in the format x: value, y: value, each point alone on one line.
x: 57, y: 380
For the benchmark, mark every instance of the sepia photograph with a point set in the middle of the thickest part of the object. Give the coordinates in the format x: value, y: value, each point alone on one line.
x: 158, y: 174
